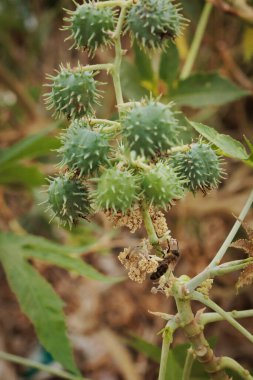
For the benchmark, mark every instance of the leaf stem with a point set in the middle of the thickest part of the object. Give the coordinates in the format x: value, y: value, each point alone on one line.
x: 230, y: 363
x: 227, y: 316
x: 215, y: 317
x: 188, y: 364
x: 187, y: 68
x: 202, y: 276
x: 39, y: 366
x: 98, y: 67
x: 168, y: 332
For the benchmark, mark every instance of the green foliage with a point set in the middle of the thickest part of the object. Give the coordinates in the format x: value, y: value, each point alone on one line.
x: 73, y: 92
x: 228, y: 146
x: 116, y: 190
x: 90, y: 26
x: 150, y: 127
x: 206, y: 89
x: 68, y: 199
x: 176, y: 358
x: 169, y: 64
x: 199, y: 165
x: 153, y: 23
x: 38, y: 301
x: 83, y: 150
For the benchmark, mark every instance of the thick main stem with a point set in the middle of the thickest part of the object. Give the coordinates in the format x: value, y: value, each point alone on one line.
x: 194, y: 331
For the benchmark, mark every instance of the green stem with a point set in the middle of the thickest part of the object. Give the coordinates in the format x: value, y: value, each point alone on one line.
x: 100, y: 66
x: 215, y: 317
x: 218, y: 257
x: 227, y: 316
x: 168, y: 332
x: 196, y: 41
x: 194, y: 331
x: 230, y: 363
x: 149, y: 225
x: 197, y: 280
x: 188, y: 364
x: 229, y: 267
x: 118, y: 56
x: 39, y: 366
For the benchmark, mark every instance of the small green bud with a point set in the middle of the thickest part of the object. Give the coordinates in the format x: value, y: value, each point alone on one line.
x: 68, y: 199
x: 73, y: 93
x: 200, y: 166
x: 116, y: 190
x: 161, y: 185
x: 152, y: 23
x: 91, y: 27
x: 150, y: 127
x: 83, y: 150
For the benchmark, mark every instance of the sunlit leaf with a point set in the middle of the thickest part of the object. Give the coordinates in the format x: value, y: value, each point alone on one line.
x: 229, y: 146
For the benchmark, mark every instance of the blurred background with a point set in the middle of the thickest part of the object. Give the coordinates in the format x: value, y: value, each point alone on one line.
x: 110, y: 324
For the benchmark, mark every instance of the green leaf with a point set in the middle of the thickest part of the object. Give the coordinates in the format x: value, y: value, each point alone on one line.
x: 176, y: 357
x: 143, y: 64
x: 169, y: 64
x: 209, y: 89
x: 32, y: 146
x: 228, y: 146
x: 29, y: 176
x: 53, y: 253
x: 38, y: 301
x: 131, y: 81
x: 150, y: 350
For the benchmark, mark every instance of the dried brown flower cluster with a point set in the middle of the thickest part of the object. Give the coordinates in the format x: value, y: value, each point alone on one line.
x: 159, y: 222
x: 132, y: 219
x: 138, y: 261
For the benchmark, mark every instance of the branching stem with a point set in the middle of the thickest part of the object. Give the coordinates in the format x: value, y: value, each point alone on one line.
x: 39, y: 366
x: 226, y: 362
x: 202, y: 276
x: 226, y: 316
x: 215, y: 317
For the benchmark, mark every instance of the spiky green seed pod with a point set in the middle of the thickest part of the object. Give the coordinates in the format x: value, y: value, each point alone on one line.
x: 68, y: 199
x: 150, y: 128
x: 90, y: 26
x: 73, y: 93
x: 116, y: 190
x: 83, y: 150
x: 200, y: 166
x: 152, y: 23
x: 161, y: 185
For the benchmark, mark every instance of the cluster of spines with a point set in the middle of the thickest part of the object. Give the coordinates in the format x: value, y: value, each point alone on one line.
x: 150, y: 127
x: 152, y: 23
x: 68, y: 199
x: 200, y: 166
x: 90, y: 26
x: 83, y: 150
x: 73, y: 92
x: 116, y: 190
x: 161, y: 185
